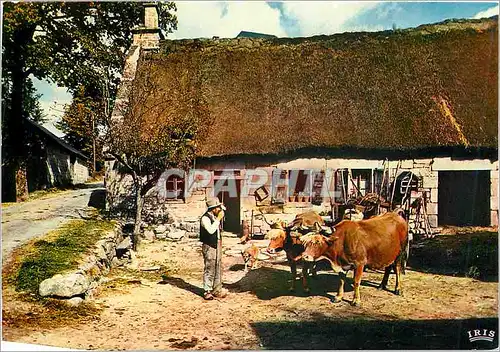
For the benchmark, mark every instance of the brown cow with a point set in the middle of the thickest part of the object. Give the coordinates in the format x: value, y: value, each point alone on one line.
x: 379, y: 242
x: 288, y: 239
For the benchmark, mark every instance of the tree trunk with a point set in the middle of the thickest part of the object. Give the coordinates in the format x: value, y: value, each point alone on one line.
x: 139, y: 202
x: 15, y: 119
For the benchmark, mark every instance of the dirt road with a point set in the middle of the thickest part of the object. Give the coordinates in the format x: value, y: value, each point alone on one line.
x: 24, y: 221
x: 164, y: 310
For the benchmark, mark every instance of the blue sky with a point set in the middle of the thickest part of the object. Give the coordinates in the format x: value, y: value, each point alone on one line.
x: 292, y: 19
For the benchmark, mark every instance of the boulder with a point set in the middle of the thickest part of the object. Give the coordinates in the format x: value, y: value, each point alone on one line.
x: 193, y: 234
x: 149, y: 235
x: 74, y: 301
x: 176, y: 235
x: 68, y: 285
x: 160, y: 229
x: 161, y: 236
x: 123, y: 247
x: 190, y: 226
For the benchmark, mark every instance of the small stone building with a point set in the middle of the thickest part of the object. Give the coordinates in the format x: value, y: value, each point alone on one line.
x: 346, y: 111
x: 52, y: 163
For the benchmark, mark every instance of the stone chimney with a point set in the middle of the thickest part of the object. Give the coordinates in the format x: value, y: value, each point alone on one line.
x: 148, y: 36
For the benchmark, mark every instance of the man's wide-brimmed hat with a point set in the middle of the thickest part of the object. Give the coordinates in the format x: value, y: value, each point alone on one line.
x: 214, y: 203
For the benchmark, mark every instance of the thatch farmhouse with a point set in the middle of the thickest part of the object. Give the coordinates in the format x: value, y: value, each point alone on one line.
x: 349, y: 111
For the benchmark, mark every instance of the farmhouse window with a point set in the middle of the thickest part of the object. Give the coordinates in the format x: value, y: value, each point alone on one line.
x: 318, y: 178
x: 279, y: 186
x: 175, y: 187
x: 341, y: 185
x: 378, y: 177
x: 299, y: 185
x: 362, y: 180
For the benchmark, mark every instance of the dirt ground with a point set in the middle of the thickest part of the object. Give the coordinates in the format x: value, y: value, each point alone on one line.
x: 164, y: 309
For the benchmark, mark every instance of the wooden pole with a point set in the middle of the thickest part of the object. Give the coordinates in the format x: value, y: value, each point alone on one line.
x: 394, y: 182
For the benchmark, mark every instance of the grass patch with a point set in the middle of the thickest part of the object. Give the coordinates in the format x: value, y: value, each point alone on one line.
x: 48, y: 313
x: 8, y: 204
x: 44, y: 193
x: 55, y: 253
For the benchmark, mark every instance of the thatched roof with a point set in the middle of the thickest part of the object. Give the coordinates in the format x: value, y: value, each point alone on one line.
x: 432, y: 86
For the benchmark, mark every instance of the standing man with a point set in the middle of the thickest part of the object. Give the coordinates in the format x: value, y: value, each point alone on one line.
x: 211, y: 238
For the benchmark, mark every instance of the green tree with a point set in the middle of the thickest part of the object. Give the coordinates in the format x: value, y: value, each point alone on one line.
x: 81, y: 122
x: 69, y: 43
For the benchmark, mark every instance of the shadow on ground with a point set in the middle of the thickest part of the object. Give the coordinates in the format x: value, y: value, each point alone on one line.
x: 98, y: 199
x: 362, y: 332
x: 267, y: 283
x: 473, y: 255
x: 180, y: 283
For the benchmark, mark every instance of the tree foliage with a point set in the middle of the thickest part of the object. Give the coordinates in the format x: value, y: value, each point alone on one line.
x: 81, y: 123
x: 72, y: 44
x: 159, y: 129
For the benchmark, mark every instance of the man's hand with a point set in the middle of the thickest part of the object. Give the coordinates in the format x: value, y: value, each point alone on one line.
x: 221, y: 214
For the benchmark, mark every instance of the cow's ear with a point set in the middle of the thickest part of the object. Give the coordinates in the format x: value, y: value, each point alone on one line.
x: 317, y: 227
x: 330, y: 240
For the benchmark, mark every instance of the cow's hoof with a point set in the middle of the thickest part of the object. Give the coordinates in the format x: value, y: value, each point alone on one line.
x: 381, y: 287
x: 355, y: 303
x: 336, y: 299
x: 398, y: 292
x: 291, y: 289
x: 307, y: 291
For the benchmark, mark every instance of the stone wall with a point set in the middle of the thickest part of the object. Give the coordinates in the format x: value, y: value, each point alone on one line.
x: 80, y: 283
x: 161, y: 211
x: 80, y: 172
x: 58, y: 167
x: 62, y: 170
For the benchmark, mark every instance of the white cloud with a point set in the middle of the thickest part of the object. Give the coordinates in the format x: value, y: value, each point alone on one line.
x: 225, y: 19
x: 326, y: 17
x: 52, y: 102
x: 487, y: 13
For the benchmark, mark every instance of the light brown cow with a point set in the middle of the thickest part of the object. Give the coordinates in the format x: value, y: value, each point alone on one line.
x: 379, y: 242
x: 288, y: 239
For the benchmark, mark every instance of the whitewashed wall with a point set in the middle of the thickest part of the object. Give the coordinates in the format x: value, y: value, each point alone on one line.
x: 428, y: 169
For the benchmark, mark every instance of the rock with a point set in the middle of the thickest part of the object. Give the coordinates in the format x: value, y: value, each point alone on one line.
x: 64, y: 285
x: 160, y: 229
x: 176, y: 235
x: 161, y: 236
x: 190, y: 226
x: 100, y: 253
x: 149, y: 235
x: 116, y: 262
x: 123, y: 247
x: 193, y: 234
x: 74, y: 301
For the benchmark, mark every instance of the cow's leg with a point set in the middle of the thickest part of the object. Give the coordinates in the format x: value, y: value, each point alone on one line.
x: 314, y: 272
x: 397, y: 268
x: 383, y: 284
x: 340, y: 292
x: 358, y: 272
x: 293, y: 269
x: 306, y: 266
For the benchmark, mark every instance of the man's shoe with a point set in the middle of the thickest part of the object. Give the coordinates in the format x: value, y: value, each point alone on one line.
x: 221, y: 293
x: 208, y: 296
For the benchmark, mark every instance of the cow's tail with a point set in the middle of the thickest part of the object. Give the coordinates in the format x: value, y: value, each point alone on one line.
x: 404, y: 254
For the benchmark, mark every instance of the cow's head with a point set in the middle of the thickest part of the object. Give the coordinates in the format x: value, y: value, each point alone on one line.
x: 353, y: 214
x: 315, y: 245
x: 276, y: 240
